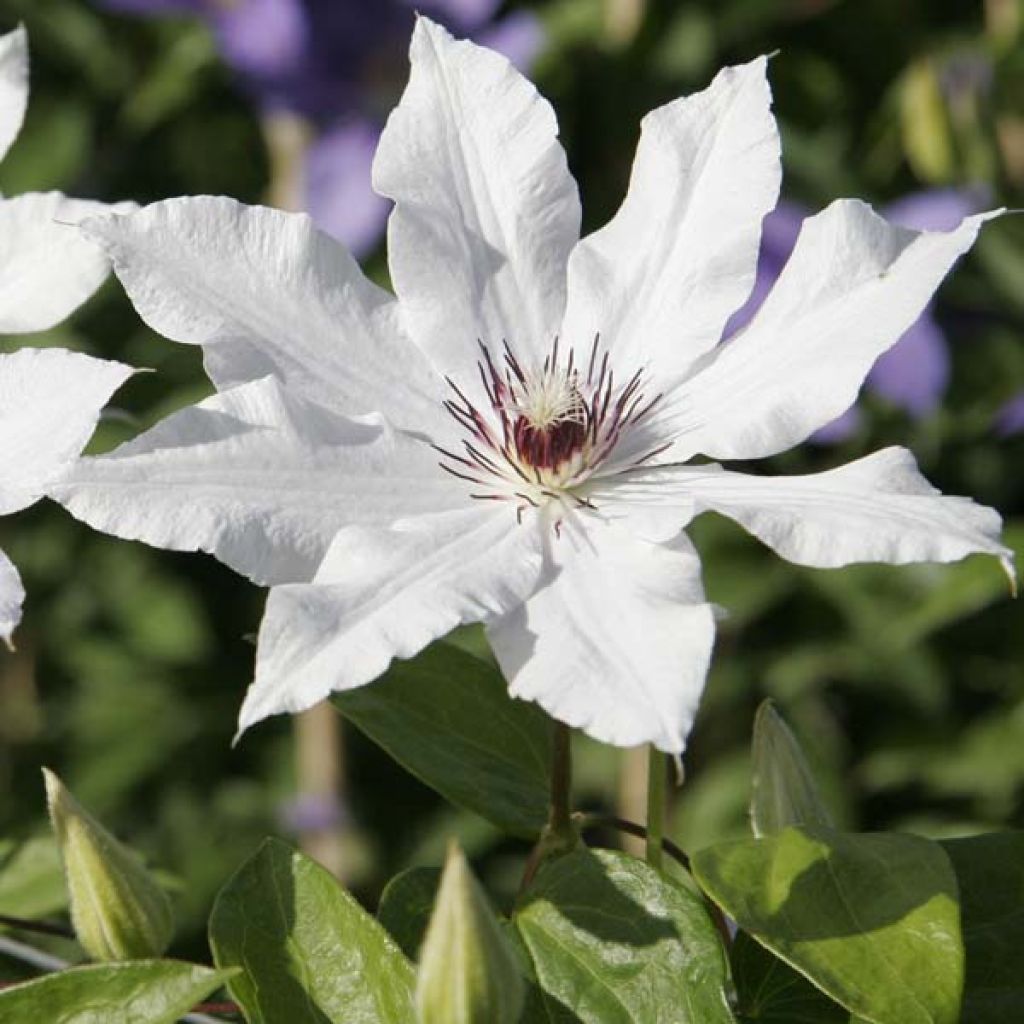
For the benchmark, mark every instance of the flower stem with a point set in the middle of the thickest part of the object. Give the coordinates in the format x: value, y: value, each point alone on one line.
x: 560, y: 814
x: 631, y: 828
x: 42, y: 927
x: 560, y: 834
x: 656, y: 777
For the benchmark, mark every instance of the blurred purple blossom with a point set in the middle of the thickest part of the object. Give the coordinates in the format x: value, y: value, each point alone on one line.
x: 1010, y: 418
x: 914, y: 373
x: 341, y: 65
x: 312, y: 812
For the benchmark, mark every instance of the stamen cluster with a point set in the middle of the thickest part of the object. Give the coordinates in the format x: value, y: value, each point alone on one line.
x: 543, y: 433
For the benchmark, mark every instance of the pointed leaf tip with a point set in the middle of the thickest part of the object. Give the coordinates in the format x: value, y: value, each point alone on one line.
x: 783, y: 790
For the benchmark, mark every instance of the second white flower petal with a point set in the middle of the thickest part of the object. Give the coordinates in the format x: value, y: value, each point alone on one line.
x: 877, y: 509
x: 259, y: 478
x: 661, y: 279
x: 387, y: 593
x: 851, y: 288
x: 618, y: 643
x: 265, y: 293
x: 486, y: 210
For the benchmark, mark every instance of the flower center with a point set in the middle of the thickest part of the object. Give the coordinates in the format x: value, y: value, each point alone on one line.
x: 543, y: 432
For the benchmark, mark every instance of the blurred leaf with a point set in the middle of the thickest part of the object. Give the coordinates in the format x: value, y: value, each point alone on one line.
x: 715, y: 804
x: 1000, y: 251
x: 172, y: 80
x: 984, y: 759
x: 871, y: 919
x: 31, y: 878
x: 990, y: 873
x: 447, y: 717
x: 51, y: 148
x: 783, y: 791
x: 309, y: 953
x: 926, y: 134
x: 405, y: 907
x: 687, y: 49
x: 83, y: 41
x: 144, y: 992
x: 769, y: 991
x: 747, y: 579
x: 615, y: 942
x: 572, y: 22
x: 126, y: 728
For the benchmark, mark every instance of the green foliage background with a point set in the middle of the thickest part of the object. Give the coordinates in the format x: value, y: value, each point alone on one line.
x: 906, y: 685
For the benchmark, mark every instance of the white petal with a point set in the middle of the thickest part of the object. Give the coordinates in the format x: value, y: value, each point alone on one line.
x: 877, y: 509
x: 267, y: 294
x: 50, y: 401
x: 13, y: 86
x: 851, y: 288
x: 618, y: 644
x: 662, y: 278
x: 384, y: 594
x: 486, y: 210
x: 47, y: 269
x: 259, y: 478
x: 12, y: 595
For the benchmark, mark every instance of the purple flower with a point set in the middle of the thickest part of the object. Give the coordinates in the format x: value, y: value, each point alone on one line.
x: 1010, y: 418
x: 341, y: 65
x: 914, y: 373
x: 312, y: 812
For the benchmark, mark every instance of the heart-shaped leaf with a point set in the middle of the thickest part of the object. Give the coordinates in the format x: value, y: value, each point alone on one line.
x: 448, y: 718
x: 309, y: 953
x: 405, y: 907
x: 615, y: 942
x: 873, y: 920
x: 135, y: 992
x: 990, y: 873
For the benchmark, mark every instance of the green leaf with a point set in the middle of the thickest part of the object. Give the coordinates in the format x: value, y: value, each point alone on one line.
x: 31, y: 878
x: 447, y: 717
x: 405, y: 907
x: 783, y: 790
x: 990, y: 873
x: 769, y: 991
x: 140, y: 992
x: 309, y: 952
x: 873, y: 920
x: 615, y: 942
x: 926, y: 132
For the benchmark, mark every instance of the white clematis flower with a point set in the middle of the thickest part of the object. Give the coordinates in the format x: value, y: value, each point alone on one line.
x: 504, y: 439
x: 50, y: 399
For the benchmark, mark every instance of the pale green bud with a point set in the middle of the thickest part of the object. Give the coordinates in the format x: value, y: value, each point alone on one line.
x: 784, y: 791
x: 118, y: 911
x: 468, y: 972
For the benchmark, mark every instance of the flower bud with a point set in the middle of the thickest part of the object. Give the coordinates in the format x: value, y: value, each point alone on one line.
x: 468, y: 972
x: 117, y: 909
